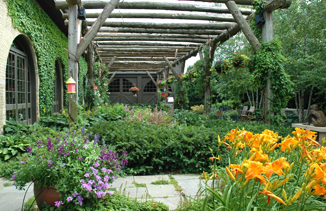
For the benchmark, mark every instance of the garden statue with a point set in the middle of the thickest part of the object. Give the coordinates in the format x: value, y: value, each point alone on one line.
x: 317, y: 117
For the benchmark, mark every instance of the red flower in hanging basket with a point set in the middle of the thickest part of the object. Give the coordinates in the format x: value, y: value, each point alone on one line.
x: 243, y: 66
x: 134, y: 89
x: 226, y: 66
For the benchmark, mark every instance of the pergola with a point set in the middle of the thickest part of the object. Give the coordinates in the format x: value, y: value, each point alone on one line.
x: 154, y: 46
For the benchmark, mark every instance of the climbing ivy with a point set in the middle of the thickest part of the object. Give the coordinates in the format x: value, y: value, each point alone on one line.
x: 49, y: 43
x: 270, y: 59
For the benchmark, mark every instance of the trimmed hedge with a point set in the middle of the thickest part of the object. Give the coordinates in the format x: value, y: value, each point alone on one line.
x: 154, y: 149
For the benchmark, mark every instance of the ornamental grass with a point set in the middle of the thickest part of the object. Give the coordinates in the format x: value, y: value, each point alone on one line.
x: 268, y: 172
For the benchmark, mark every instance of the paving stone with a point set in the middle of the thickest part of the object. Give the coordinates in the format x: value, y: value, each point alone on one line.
x: 149, y: 179
x: 162, y: 191
x: 190, y: 184
x: 11, y: 199
x: 122, y: 183
x: 172, y: 202
x: 136, y: 192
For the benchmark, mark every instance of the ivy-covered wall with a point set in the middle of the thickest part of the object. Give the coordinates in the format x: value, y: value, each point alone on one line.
x: 49, y: 43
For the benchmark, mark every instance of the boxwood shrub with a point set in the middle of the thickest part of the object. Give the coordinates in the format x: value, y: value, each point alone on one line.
x: 154, y: 149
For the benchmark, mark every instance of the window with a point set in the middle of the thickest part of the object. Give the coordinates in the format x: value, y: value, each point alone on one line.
x: 18, y: 87
x: 126, y: 85
x: 150, y: 87
x: 114, y: 86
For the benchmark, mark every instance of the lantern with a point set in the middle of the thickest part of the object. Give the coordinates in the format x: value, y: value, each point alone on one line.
x: 71, y: 84
x: 94, y: 86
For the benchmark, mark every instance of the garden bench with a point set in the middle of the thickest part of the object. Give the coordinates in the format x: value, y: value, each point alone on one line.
x: 246, y: 115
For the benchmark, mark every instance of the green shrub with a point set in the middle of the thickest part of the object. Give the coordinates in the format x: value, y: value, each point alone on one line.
x: 153, y: 149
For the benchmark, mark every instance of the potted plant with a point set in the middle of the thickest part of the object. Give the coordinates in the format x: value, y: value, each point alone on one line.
x: 72, y: 167
x: 134, y: 90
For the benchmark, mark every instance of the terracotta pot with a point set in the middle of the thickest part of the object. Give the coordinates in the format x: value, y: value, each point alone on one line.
x: 45, y: 195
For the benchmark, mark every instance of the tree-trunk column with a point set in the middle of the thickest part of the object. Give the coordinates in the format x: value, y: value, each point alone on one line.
x: 267, y: 36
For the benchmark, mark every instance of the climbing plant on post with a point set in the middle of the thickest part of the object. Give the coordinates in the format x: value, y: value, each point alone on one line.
x: 207, y: 62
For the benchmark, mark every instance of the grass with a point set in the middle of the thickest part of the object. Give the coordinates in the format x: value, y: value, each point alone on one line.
x: 28, y: 204
x: 7, y: 184
x: 139, y: 185
x: 175, y: 184
x: 160, y: 182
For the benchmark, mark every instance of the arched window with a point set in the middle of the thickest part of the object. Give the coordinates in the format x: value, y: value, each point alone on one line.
x: 114, y: 86
x: 126, y: 85
x: 18, y: 86
x: 150, y: 87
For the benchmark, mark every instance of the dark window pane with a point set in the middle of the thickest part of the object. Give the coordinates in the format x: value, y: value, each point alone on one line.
x: 150, y: 87
x: 126, y: 85
x: 114, y: 86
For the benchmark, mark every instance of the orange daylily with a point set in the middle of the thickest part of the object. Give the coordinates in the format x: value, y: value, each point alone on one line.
x: 236, y: 169
x: 320, y: 190
x: 276, y: 167
x: 255, y: 170
x: 320, y: 174
x: 288, y: 143
x: 260, y: 156
x: 270, y: 194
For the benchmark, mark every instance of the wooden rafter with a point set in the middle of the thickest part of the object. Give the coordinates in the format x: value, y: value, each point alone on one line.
x: 186, y: 16
x: 99, y: 4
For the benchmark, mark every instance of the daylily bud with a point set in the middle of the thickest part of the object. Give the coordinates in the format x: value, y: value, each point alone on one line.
x: 282, y: 183
x: 297, y: 195
x: 311, y: 184
x: 230, y: 173
x: 284, y: 195
x: 204, y: 175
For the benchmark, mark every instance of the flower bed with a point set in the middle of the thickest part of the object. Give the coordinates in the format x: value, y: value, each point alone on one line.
x: 267, y: 172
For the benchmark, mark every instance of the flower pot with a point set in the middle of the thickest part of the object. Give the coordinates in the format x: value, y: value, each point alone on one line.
x: 45, y: 196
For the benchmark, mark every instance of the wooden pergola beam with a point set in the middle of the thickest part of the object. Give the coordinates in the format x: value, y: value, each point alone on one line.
x: 109, y: 7
x: 172, y: 69
x: 191, y: 40
x: 150, y: 76
x: 254, y: 42
x: 189, y: 16
x: 141, y: 46
x: 111, y: 78
x: 135, y: 70
x: 161, y: 31
x: 272, y: 5
x: 73, y: 2
x: 105, y: 59
x: 141, y: 50
x: 137, y: 66
x: 143, y: 35
x: 99, y: 4
x: 111, y: 62
x: 167, y: 25
x: 156, y: 44
x: 137, y: 54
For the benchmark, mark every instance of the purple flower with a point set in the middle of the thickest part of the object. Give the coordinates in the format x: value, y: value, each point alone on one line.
x: 83, y: 130
x: 98, y: 178
x: 109, y: 171
x: 29, y: 149
x: 124, y: 152
x: 62, y: 164
x: 86, y: 175
x: 75, y: 194
x: 39, y: 143
x: 91, y: 182
x: 106, y: 178
x: 49, y: 144
x: 95, y: 171
x: 69, y: 198
x: 58, y: 203
x: 80, y: 200
x: 22, y: 162
x: 86, y: 146
x: 103, y: 169
x: 76, y: 150
x: 124, y: 161
x: 13, y: 177
x: 96, y: 164
x: 15, y: 172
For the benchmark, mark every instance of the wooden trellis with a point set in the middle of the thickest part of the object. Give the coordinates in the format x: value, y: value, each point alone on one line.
x: 129, y: 45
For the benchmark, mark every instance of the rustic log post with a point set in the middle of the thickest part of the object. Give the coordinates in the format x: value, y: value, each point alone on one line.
x: 243, y: 25
x: 157, y: 88
x: 109, y: 7
x: 181, y: 95
x: 111, y: 78
x: 73, y: 60
x: 267, y: 36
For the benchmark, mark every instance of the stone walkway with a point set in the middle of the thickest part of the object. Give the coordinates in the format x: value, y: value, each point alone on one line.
x: 138, y: 187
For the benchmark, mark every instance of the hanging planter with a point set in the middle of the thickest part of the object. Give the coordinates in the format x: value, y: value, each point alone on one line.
x: 134, y: 90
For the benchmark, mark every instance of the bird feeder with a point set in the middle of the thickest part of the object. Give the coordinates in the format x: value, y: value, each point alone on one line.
x: 71, y: 86
x: 94, y: 86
